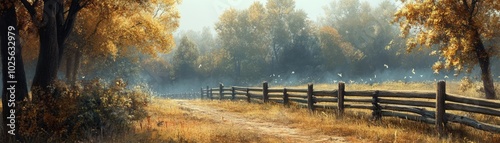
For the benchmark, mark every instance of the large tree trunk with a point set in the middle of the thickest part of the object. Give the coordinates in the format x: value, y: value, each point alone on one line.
x: 48, y: 58
x: 484, y: 63
x: 13, y: 86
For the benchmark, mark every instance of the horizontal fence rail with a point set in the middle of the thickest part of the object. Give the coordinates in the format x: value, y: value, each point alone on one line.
x: 423, y: 106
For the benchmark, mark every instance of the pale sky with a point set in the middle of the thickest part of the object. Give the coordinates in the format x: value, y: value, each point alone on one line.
x: 196, y: 14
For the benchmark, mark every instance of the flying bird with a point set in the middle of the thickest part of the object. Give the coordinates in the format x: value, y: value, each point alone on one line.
x: 413, y: 71
x: 386, y: 66
x: 340, y: 74
x: 293, y: 72
x: 199, y: 66
x: 446, y: 76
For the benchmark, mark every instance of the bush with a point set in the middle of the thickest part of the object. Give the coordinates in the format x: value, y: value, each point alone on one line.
x: 78, y: 113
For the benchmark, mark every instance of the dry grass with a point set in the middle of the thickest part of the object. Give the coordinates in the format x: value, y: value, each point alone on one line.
x: 171, y: 123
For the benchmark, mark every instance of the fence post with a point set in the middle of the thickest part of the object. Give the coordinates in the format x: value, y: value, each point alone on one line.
x: 265, y: 92
x: 340, y: 98
x: 208, y: 94
x: 201, y: 92
x: 248, y: 96
x: 285, y: 98
x: 310, y: 98
x: 233, y: 94
x: 440, y: 107
x: 377, y: 110
x: 221, y: 91
x: 211, y: 95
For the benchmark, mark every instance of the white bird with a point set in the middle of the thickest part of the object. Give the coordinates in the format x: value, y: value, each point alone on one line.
x: 340, y: 74
x: 293, y: 72
x: 405, y: 77
x: 199, y: 66
x: 279, y: 76
x: 410, y: 76
x: 375, y: 76
x: 386, y: 66
x: 413, y: 71
x: 421, y: 75
x: 446, y: 76
x: 370, y: 79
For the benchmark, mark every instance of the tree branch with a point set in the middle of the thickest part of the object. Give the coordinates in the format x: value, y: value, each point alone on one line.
x: 32, y: 11
x: 473, y: 7
x: 69, y: 22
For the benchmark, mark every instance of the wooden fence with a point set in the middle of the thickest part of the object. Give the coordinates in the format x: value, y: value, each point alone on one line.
x: 423, y: 106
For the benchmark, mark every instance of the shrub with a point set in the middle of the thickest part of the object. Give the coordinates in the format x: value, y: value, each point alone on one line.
x: 82, y: 112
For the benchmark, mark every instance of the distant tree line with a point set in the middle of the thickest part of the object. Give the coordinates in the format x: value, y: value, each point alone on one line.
x: 276, y: 38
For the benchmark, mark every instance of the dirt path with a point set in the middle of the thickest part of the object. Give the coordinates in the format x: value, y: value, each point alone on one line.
x: 258, y: 126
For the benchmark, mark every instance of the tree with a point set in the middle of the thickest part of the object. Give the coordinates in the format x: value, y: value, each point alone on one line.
x: 304, y: 49
x: 53, y: 29
x: 120, y: 29
x: 243, y: 35
x: 336, y: 49
x: 185, y: 57
x: 460, y: 30
x: 279, y: 12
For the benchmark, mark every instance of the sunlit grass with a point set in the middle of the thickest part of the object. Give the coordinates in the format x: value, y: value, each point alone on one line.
x: 171, y: 123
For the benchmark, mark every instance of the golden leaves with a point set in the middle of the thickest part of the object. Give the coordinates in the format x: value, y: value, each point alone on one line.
x: 114, y: 26
x: 450, y: 27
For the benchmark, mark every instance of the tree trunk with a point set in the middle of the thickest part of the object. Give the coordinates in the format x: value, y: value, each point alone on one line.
x: 484, y: 63
x: 76, y: 66
x: 69, y: 66
x: 48, y: 58
x: 8, y: 18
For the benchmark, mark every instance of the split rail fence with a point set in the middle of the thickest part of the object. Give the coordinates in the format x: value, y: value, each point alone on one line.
x: 423, y: 106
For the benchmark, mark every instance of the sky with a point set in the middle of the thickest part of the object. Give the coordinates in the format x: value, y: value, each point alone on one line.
x: 196, y: 14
